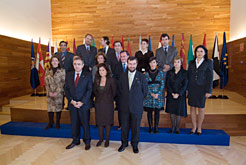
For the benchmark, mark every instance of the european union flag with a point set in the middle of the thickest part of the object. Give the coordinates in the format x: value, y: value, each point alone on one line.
x: 173, y: 41
x: 224, y: 65
x: 34, y: 79
x: 149, y: 43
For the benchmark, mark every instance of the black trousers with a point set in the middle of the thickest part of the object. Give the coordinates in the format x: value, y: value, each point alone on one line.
x: 80, y: 118
x: 130, y: 120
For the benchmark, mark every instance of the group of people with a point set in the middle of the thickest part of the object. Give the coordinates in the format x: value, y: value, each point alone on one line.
x: 109, y: 79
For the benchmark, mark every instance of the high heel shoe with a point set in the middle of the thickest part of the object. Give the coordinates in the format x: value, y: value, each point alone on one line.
x: 106, y: 144
x: 191, y: 132
x: 99, y: 143
x: 199, y: 133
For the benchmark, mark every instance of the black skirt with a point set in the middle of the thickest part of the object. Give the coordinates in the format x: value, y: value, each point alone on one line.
x: 196, y: 96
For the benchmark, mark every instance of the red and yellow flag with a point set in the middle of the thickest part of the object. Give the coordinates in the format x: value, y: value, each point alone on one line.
x: 182, y: 51
x: 47, y: 58
x: 122, y: 42
x: 40, y: 64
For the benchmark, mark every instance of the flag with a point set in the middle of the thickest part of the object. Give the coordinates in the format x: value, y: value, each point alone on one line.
x: 182, y: 51
x: 68, y: 48
x: 139, y: 42
x: 128, y: 47
x: 173, y: 41
x: 74, y: 47
x: 204, y: 40
x: 55, y: 47
x: 47, y: 58
x: 93, y: 42
x: 34, y: 80
x: 224, y: 65
x: 40, y: 64
x: 112, y: 41
x: 216, y: 62
x: 159, y: 44
x: 149, y: 43
x: 122, y: 42
x: 190, y: 52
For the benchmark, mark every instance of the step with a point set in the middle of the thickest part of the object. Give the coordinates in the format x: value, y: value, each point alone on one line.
x: 208, y: 137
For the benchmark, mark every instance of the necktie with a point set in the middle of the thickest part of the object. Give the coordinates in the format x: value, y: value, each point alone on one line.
x: 165, y: 49
x: 124, y: 67
x: 76, y: 80
x: 88, y: 48
x: 63, y: 57
x: 104, y: 50
x: 118, y: 57
x: 130, y: 79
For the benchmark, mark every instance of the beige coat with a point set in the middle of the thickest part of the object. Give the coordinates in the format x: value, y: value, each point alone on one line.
x: 55, y: 83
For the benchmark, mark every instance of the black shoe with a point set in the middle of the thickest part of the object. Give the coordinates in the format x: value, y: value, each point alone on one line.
x: 156, y: 130
x: 71, y: 145
x: 106, y: 144
x: 87, y: 146
x: 199, y: 133
x: 57, y: 125
x: 122, y: 147
x: 171, y: 130
x: 191, y: 132
x: 135, y: 149
x: 50, y: 125
x: 177, y: 131
x: 150, y: 130
x: 99, y: 143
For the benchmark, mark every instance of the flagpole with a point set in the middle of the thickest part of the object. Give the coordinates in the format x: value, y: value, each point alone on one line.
x: 223, y: 86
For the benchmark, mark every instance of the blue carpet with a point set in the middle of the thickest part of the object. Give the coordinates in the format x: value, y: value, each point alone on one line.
x: 208, y: 137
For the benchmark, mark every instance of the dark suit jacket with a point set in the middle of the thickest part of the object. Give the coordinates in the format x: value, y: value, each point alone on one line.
x: 201, y: 76
x: 110, y: 51
x: 166, y: 59
x: 68, y: 62
x: 132, y: 100
x: 88, y: 58
x: 115, y: 65
x: 108, y: 94
x: 82, y: 92
x: 143, y: 60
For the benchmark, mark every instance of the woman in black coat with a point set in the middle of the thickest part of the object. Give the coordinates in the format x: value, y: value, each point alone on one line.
x: 200, y: 76
x: 177, y: 81
x: 104, y: 89
x: 143, y: 56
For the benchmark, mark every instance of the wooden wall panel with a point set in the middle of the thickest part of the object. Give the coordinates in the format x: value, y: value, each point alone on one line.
x: 15, y: 61
x: 74, y: 18
x: 237, y: 66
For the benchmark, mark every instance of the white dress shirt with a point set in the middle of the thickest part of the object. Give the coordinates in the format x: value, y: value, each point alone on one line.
x: 199, y: 63
x: 130, y: 78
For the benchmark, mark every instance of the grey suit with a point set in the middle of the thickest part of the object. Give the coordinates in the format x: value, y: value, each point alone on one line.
x: 88, y: 57
x: 167, y: 59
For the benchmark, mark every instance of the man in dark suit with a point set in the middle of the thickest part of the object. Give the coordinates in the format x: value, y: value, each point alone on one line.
x: 121, y: 67
x: 87, y: 52
x: 133, y: 88
x: 113, y: 60
x: 106, y: 49
x: 78, y: 89
x: 165, y: 54
x: 65, y: 57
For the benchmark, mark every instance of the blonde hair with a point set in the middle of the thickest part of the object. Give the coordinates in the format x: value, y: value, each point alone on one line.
x: 178, y: 58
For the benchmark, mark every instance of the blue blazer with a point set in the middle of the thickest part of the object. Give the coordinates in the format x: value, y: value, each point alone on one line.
x: 132, y: 100
x: 82, y: 92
